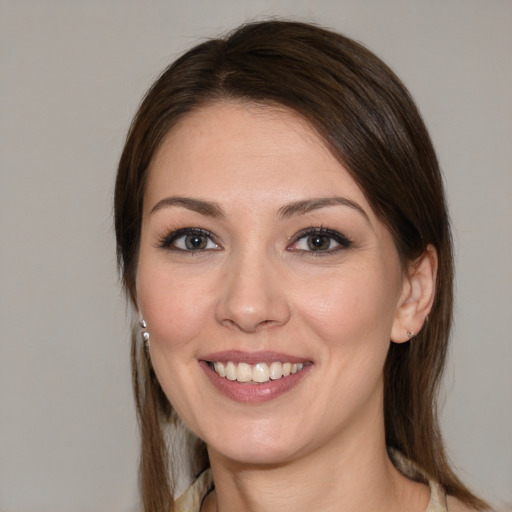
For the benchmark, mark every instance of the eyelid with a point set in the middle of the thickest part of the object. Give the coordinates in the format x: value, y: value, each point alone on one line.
x: 166, y: 241
x: 341, y: 239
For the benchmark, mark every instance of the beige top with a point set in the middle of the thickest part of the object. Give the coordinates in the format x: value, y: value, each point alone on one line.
x: 192, y: 498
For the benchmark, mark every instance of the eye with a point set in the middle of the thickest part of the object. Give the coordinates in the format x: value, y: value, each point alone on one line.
x: 319, y: 240
x: 189, y: 239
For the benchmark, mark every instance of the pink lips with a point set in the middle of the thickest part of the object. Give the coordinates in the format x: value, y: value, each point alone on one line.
x: 250, y: 392
x: 251, y: 357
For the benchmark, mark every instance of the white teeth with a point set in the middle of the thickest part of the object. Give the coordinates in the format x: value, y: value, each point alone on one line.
x: 231, y: 371
x: 261, y: 372
x: 276, y: 370
x: 219, y: 368
x: 244, y: 372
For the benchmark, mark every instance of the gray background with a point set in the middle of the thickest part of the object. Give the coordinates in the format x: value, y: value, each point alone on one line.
x: 72, y: 74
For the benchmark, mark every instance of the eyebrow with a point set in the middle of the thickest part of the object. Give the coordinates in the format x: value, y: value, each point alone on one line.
x: 308, y: 205
x: 212, y: 209
x: 207, y: 208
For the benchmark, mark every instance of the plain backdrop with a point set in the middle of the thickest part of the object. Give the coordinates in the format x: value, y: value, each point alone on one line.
x: 72, y: 75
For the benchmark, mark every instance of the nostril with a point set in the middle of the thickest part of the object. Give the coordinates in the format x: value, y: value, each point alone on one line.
x: 251, y: 306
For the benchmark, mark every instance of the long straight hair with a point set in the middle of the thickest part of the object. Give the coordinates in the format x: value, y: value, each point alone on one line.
x: 370, y: 123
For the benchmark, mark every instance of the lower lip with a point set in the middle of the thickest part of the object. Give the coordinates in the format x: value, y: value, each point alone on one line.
x: 252, y: 393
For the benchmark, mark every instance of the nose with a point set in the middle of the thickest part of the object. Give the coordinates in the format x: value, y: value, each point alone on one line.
x: 253, y: 297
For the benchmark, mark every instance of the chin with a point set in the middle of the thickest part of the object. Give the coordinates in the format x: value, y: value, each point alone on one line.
x: 253, y: 445
x: 253, y: 455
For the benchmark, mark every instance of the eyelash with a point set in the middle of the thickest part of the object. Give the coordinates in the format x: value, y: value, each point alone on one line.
x: 167, y: 241
x: 342, y: 240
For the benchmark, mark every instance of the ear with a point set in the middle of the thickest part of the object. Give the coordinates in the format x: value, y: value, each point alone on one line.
x: 417, y: 297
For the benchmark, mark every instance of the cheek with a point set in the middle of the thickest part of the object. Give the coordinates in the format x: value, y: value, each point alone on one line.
x: 175, y: 310
x: 355, y: 304
x: 175, y: 306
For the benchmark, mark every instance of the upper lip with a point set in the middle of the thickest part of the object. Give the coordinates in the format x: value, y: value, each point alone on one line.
x: 239, y: 356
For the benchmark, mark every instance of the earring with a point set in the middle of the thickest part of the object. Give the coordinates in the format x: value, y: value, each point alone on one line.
x: 145, y: 335
x: 410, y: 334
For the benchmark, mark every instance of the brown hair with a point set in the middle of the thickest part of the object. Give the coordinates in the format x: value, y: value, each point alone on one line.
x: 372, y: 126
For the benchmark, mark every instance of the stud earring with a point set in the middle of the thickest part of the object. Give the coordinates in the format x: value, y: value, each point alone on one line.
x: 410, y: 334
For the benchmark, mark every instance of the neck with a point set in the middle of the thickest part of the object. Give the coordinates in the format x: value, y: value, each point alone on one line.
x: 359, y: 477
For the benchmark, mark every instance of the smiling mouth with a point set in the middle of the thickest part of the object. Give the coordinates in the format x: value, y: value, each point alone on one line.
x: 258, y: 373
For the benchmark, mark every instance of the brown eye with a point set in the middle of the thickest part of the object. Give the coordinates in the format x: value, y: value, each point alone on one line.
x: 193, y: 242
x: 188, y: 240
x: 319, y: 242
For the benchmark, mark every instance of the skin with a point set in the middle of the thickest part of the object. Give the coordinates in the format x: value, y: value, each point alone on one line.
x: 258, y: 286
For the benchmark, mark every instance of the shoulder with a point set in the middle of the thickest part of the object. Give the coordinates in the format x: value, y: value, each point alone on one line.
x: 455, y: 505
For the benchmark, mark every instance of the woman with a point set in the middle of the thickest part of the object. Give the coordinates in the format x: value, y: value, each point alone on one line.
x: 283, y: 236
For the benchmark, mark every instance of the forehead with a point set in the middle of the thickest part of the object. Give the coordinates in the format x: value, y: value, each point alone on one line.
x: 234, y: 151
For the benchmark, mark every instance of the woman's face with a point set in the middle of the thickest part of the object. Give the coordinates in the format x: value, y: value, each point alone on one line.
x: 268, y: 285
